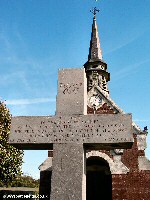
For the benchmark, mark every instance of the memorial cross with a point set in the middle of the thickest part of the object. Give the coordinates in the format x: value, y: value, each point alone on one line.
x: 70, y: 133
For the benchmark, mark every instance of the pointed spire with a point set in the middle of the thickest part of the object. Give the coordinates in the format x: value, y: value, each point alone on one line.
x: 95, y: 67
x: 95, y: 52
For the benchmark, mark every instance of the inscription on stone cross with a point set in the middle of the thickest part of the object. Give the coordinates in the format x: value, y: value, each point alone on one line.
x: 102, y: 131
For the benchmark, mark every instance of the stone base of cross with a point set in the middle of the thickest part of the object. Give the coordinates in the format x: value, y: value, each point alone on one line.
x: 70, y: 133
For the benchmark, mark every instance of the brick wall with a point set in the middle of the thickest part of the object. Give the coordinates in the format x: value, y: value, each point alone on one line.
x: 104, y: 109
x: 133, y: 186
x: 136, y: 184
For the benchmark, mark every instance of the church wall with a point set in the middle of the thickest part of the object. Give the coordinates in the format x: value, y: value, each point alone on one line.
x: 135, y: 184
x: 131, y: 186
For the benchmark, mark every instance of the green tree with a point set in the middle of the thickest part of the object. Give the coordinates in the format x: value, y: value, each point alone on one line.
x: 23, y: 181
x: 11, y: 158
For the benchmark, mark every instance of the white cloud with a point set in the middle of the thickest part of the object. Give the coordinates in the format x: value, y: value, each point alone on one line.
x: 125, y: 71
x: 125, y: 43
x: 29, y: 101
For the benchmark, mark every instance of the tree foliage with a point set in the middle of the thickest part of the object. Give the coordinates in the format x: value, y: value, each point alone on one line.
x: 11, y: 158
x: 23, y: 181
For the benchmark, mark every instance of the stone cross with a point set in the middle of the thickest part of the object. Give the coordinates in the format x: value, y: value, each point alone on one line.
x: 70, y: 133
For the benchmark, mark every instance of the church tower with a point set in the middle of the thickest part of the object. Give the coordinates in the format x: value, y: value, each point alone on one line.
x: 95, y: 67
x: 98, y: 101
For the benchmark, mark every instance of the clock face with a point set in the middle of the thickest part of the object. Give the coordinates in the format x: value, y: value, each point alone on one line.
x: 95, y: 100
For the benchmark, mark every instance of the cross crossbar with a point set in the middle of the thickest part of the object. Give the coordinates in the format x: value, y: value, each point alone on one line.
x: 93, y: 131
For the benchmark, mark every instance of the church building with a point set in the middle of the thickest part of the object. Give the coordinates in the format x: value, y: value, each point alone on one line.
x: 117, y: 174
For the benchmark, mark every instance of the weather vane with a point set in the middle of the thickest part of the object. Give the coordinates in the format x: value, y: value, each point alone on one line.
x: 94, y: 10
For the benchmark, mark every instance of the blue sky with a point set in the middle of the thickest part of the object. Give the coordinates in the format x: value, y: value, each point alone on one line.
x: 37, y: 37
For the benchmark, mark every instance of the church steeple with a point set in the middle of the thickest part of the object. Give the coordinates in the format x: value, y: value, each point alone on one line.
x: 95, y: 52
x: 95, y: 67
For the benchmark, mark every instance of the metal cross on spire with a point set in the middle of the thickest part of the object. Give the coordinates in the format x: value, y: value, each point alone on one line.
x: 94, y: 10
